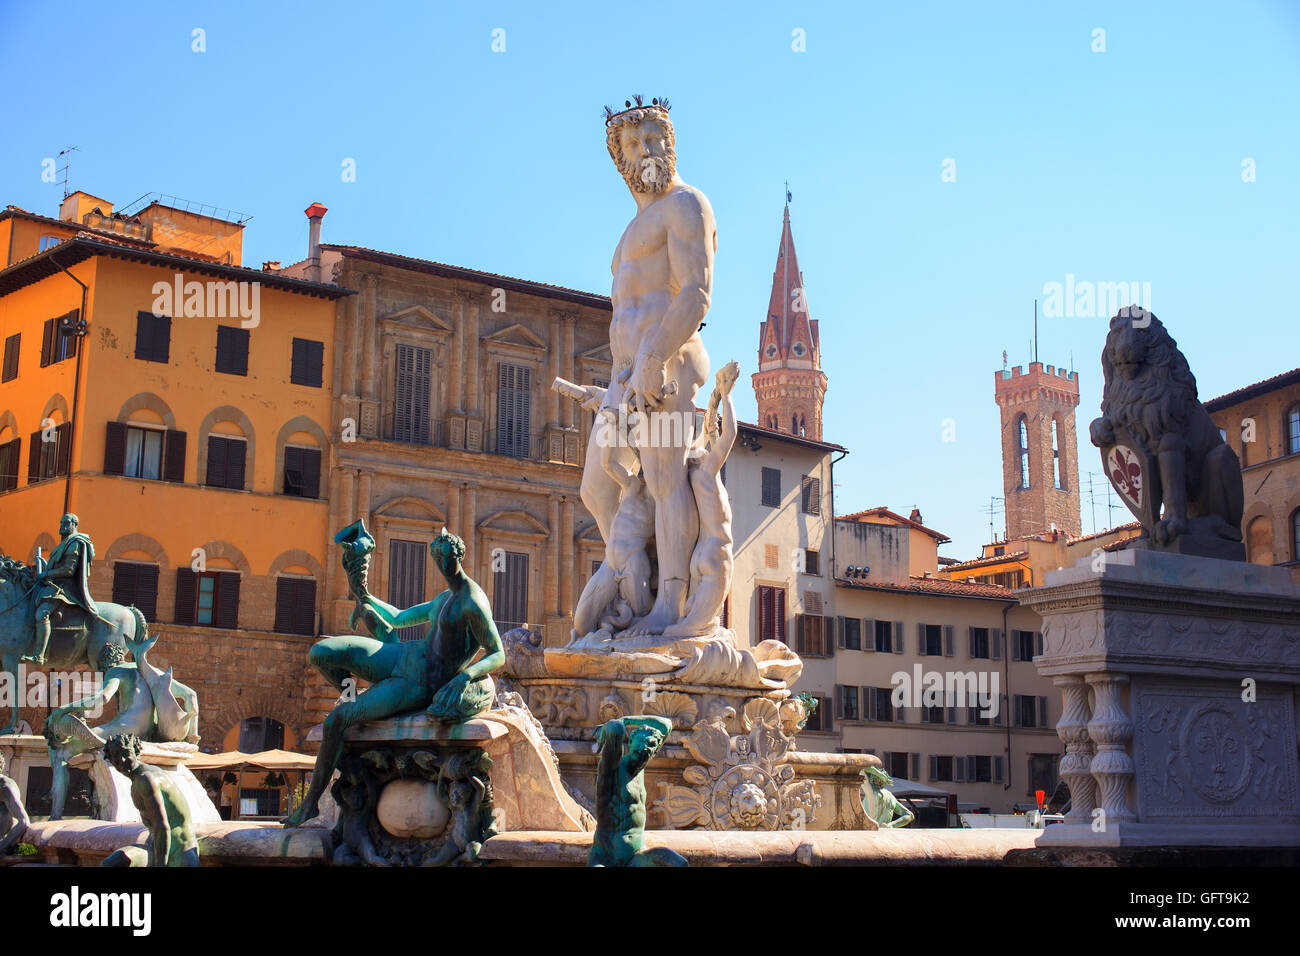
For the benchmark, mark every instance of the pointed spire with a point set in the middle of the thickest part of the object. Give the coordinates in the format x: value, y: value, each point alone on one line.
x: 789, y: 384
x: 787, y: 322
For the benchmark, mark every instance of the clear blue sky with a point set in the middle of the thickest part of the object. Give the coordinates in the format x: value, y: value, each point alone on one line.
x: 1117, y: 166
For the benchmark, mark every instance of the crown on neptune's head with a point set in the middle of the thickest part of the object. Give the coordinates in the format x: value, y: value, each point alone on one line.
x: 637, y: 102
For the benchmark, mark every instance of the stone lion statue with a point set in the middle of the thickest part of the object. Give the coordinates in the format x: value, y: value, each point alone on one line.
x: 1150, y: 393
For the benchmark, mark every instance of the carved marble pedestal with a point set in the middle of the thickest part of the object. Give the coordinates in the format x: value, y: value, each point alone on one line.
x: 413, y: 792
x: 1180, y: 679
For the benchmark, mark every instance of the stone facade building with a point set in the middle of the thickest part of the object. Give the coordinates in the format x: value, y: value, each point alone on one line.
x: 444, y: 415
x: 1040, y: 467
x: 1262, y: 424
x: 895, y: 615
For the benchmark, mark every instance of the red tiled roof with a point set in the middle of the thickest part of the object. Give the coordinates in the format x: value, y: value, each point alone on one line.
x: 474, y: 275
x: 1121, y: 543
x: 1131, y: 526
x: 884, y: 512
x: 786, y: 436
x: 936, y: 586
x: 982, y: 562
x: 84, y: 245
x: 106, y: 234
x: 1251, y: 391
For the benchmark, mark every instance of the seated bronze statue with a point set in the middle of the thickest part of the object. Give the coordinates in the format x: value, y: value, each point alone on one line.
x: 439, y: 672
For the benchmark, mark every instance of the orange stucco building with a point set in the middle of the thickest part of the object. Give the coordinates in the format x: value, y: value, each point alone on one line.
x: 178, y: 403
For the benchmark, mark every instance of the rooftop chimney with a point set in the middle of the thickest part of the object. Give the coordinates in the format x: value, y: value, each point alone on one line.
x: 315, y: 213
x: 915, y: 516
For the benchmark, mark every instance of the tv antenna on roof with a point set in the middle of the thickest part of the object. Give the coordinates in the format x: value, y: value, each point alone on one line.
x: 1035, y: 330
x: 67, y: 164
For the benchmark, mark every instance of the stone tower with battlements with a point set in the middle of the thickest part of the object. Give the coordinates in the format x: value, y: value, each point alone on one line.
x: 790, y: 385
x: 1040, y: 467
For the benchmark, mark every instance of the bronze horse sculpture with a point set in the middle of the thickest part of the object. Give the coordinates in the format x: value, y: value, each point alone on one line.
x: 73, y: 647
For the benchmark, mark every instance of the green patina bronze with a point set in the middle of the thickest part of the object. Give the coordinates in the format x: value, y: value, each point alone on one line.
x: 48, y: 618
x: 438, y: 673
x: 163, y: 809
x: 626, y: 746
x: 882, y: 808
x: 13, y: 816
x: 151, y: 705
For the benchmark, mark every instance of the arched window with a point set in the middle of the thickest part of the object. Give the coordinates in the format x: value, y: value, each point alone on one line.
x: 1056, y: 455
x: 1293, y: 429
x: 1022, y: 450
x: 1259, y: 541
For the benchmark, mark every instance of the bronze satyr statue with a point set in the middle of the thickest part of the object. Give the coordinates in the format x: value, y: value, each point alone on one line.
x: 626, y: 746
x: 13, y: 816
x: 163, y: 809
x: 1161, y: 450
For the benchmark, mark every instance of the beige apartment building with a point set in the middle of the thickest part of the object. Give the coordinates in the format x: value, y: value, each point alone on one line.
x: 780, y: 489
x: 989, y: 736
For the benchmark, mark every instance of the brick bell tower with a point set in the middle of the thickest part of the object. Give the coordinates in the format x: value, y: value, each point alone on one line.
x: 790, y: 385
x: 1040, y: 467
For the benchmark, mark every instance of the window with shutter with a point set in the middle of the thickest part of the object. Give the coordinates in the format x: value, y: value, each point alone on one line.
x: 510, y: 592
x: 949, y: 640
x: 228, y: 599
x: 232, y: 350
x: 1038, y: 643
x: 11, y: 453
x: 812, y: 562
x: 136, y: 583
x: 851, y: 632
x: 226, y: 458
x: 995, y: 643
x: 174, y: 456
x: 406, y: 574
x: 301, y: 471
x: 307, y: 362
x: 47, y: 342
x: 771, y: 612
x: 153, y: 334
x: 1042, y: 712
x: 413, y: 388
x: 898, y: 637
x: 920, y: 639
x: 186, y: 592
x: 63, y: 449
x: 811, y: 495
x: 143, y: 453
x: 295, y: 604
x: 771, y: 487
x: 514, y: 410
x: 115, y: 451
x: 10, y: 371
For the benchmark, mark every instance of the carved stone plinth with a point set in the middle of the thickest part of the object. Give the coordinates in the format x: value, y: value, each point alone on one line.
x: 410, y: 789
x: 1179, y: 678
x: 425, y: 800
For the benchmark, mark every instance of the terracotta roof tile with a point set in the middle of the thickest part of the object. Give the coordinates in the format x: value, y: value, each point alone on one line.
x: 1251, y: 391
x: 394, y: 258
x: 991, y: 559
x: 935, y: 586
x: 884, y: 512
